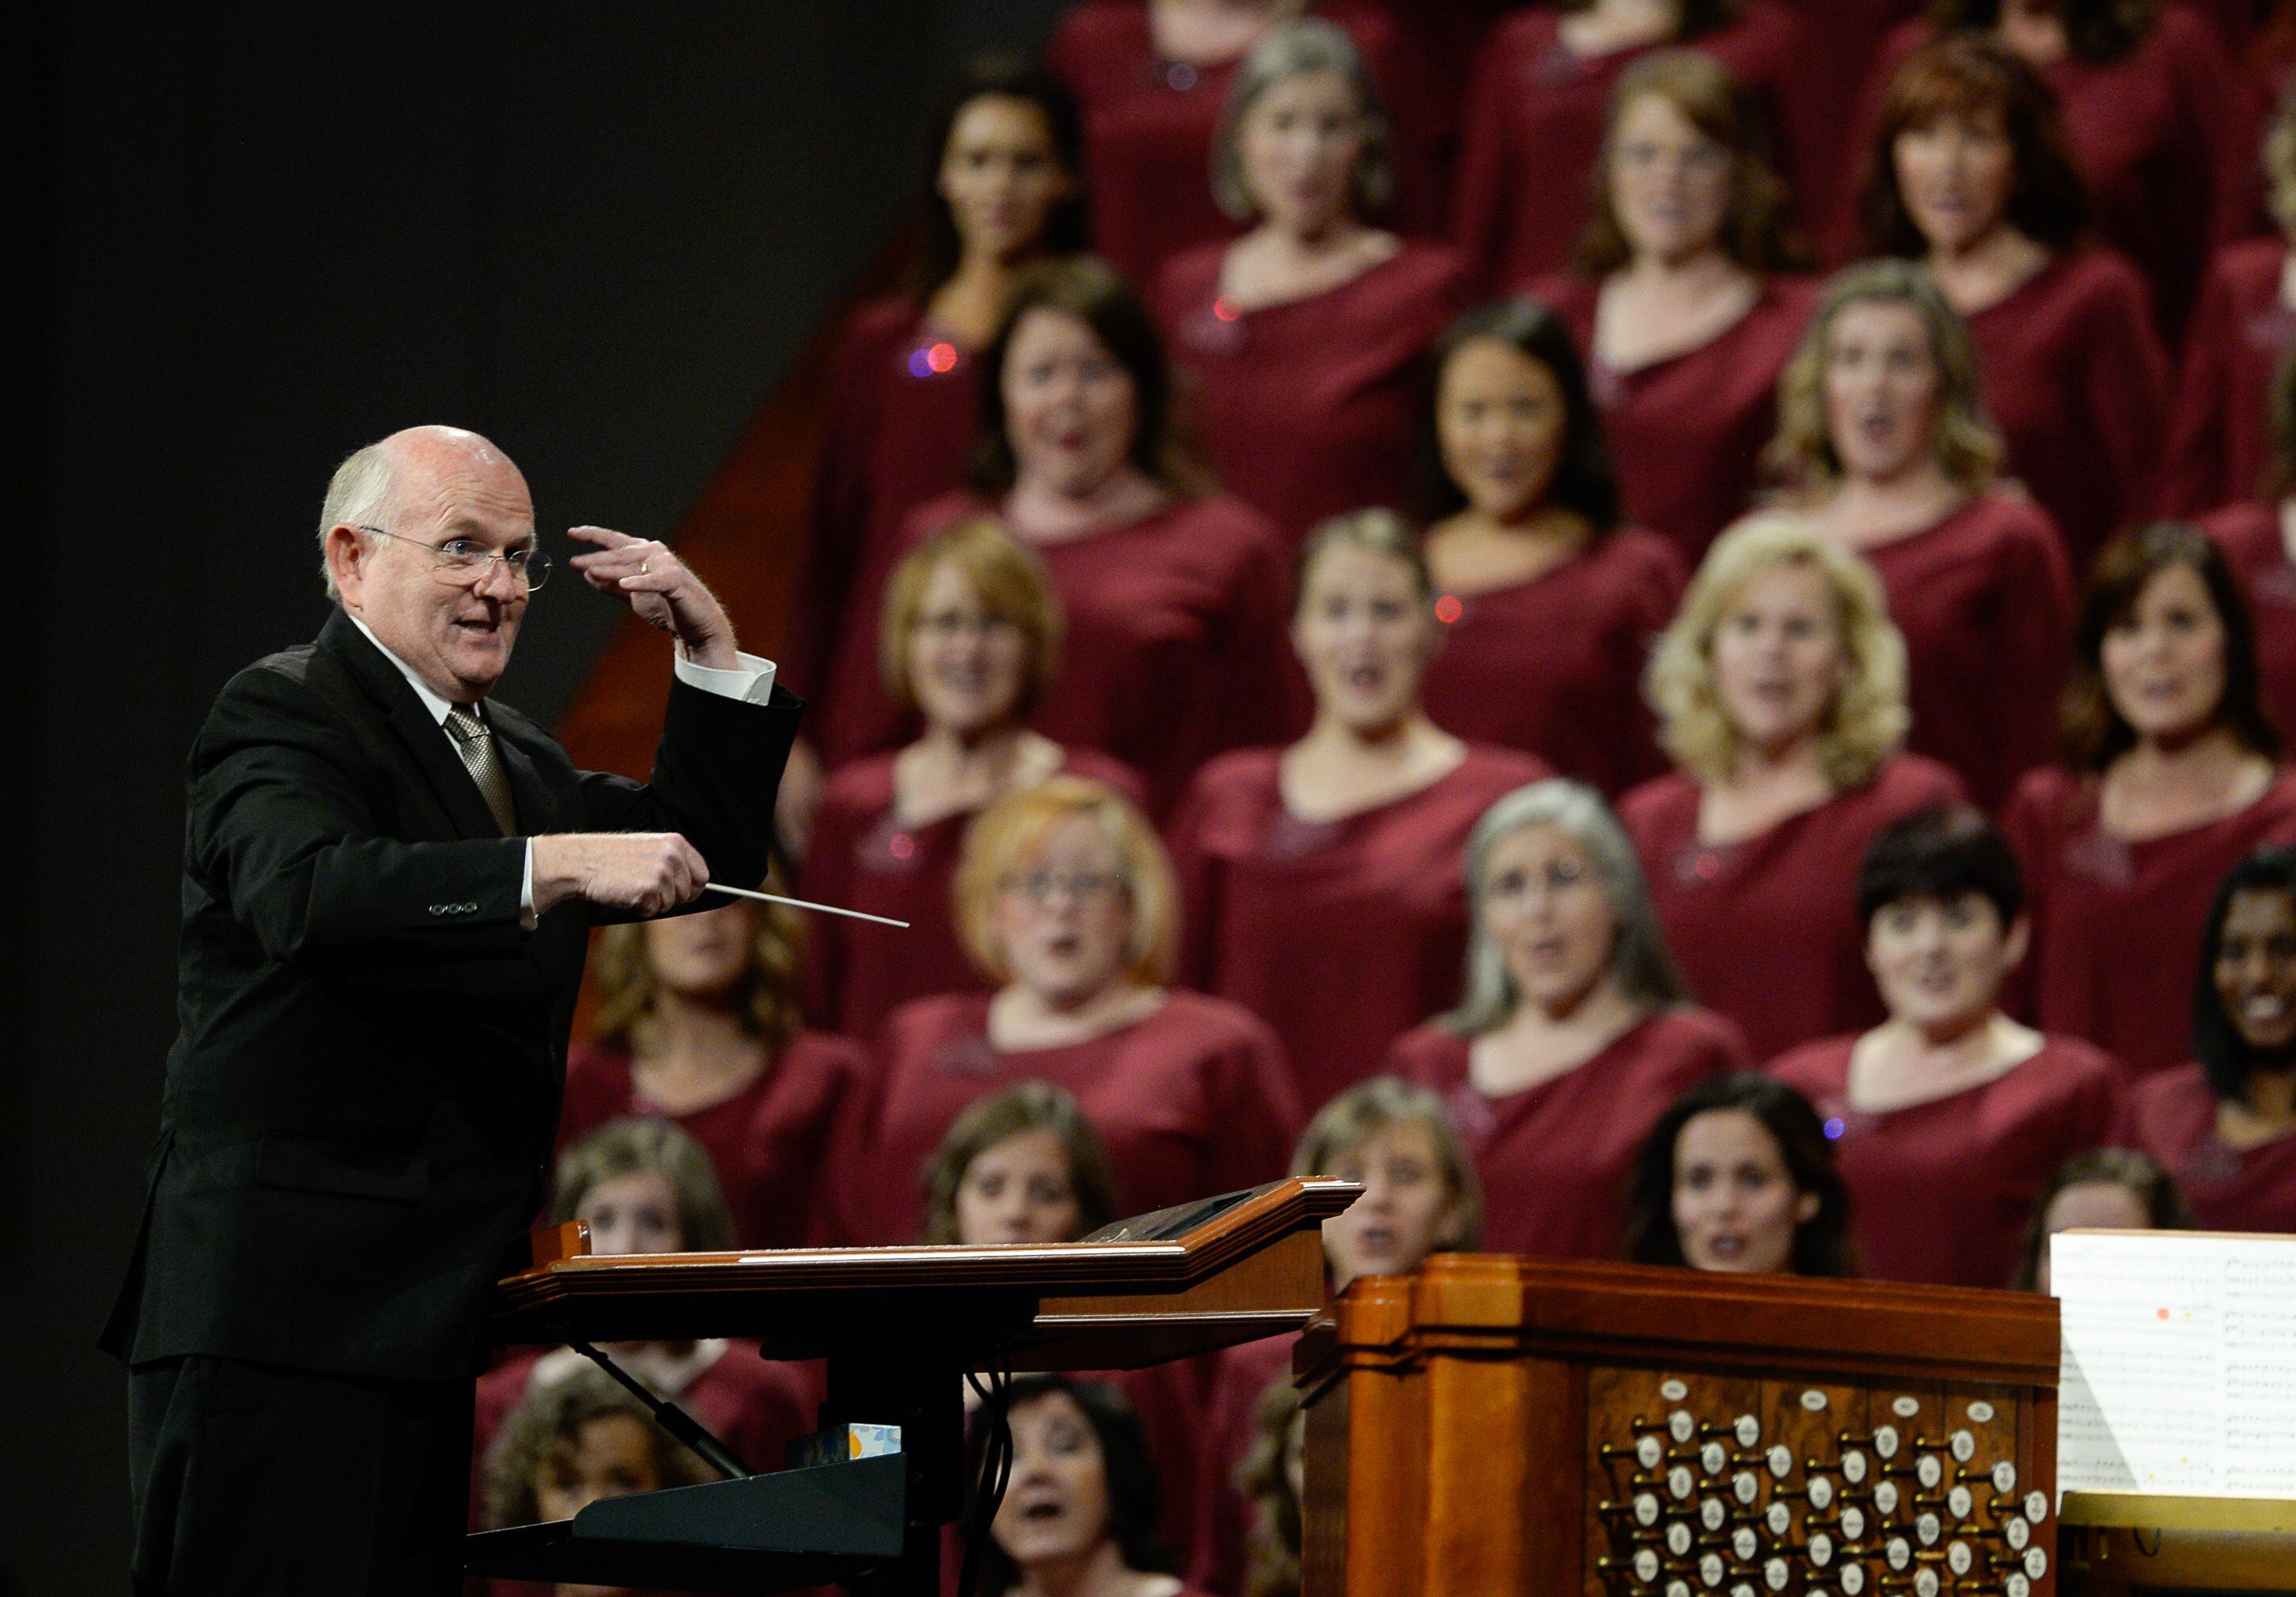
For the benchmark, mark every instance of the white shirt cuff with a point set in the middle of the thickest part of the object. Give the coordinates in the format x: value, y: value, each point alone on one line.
x: 752, y: 681
x: 527, y: 919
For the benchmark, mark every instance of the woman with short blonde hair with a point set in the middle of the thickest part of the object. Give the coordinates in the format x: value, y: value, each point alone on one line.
x: 698, y: 1023
x: 970, y: 646
x: 1064, y: 900
x: 1781, y: 694
x: 1883, y: 444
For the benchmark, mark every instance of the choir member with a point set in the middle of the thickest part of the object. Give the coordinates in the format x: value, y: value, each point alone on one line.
x: 1573, y: 1034
x: 1738, y: 1176
x: 1780, y: 696
x: 2225, y: 1124
x: 1153, y: 80
x: 1064, y: 900
x: 2153, y: 116
x: 1421, y: 1196
x: 1969, y: 172
x: 570, y: 1442
x: 2257, y: 534
x: 2104, y: 1189
x: 1676, y: 301
x: 1886, y: 446
x: 1303, y: 338
x: 1321, y: 881
x: 1024, y: 1167
x: 2172, y: 775
x: 1079, y: 1513
x: 698, y: 1022
x: 904, y: 375
x: 1174, y: 598
x: 2243, y: 327
x: 1549, y: 606
x: 1949, y: 1113
x: 644, y: 1186
x: 970, y: 644
x: 1535, y: 124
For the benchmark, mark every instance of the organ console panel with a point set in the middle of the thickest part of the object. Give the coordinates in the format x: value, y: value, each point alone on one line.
x: 1565, y: 1430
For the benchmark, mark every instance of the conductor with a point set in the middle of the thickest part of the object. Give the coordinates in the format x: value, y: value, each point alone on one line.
x: 388, y: 885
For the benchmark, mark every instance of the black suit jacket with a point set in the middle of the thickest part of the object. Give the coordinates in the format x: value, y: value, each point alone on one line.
x: 362, y: 1099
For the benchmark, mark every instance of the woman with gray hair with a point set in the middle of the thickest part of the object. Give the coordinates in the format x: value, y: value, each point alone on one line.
x: 1575, y: 1032
x: 1304, y: 336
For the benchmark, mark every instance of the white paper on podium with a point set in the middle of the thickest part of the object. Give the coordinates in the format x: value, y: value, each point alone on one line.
x: 2180, y: 1362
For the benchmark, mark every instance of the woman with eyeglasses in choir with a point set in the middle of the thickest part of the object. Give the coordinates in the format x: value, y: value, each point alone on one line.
x: 1303, y: 338
x: 1885, y: 446
x: 969, y: 641
x: 1064, y: 900
x: 1549, y: 603
x: 1005, y: 191
x: 1574, y: 1032
x: 1320, y: 879
x: 1680, y: 297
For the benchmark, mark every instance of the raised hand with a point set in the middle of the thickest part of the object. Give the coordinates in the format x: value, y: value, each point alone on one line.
x: 660, y: 589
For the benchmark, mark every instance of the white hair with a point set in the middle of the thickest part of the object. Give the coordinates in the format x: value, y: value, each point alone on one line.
x: 360, y: 493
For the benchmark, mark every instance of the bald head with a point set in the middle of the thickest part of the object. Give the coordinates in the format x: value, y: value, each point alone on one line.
x: 419, y: 474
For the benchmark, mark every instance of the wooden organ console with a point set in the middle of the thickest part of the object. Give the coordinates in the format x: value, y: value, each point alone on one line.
x: 1562, y: 1429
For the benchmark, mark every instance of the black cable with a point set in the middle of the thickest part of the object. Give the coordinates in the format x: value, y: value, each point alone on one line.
x: 675, y: 1420
x: 996, y: 1471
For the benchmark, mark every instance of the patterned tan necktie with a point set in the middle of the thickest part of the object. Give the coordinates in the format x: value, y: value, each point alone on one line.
x: 476, y: 744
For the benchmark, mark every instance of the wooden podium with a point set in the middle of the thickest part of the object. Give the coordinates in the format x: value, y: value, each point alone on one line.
x: 1559, y: 1430
x: 899, y: 1328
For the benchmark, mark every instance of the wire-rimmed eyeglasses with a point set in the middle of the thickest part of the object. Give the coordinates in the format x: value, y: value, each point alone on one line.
x: 465, y: 561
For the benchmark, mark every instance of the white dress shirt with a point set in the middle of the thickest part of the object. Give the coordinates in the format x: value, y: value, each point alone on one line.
x: 752, y: 681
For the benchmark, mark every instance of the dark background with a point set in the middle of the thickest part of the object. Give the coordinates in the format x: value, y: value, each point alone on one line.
x: 242, y: 242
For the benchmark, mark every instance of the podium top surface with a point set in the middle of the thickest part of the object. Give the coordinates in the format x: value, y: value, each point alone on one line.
x: 1620, y: 1313
x: 1192, y: 1278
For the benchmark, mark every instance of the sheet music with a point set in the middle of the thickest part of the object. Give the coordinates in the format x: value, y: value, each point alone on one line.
x: 2180, y: 1362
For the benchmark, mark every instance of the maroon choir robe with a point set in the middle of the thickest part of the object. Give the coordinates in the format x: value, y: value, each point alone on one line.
x: 2219, y: 434
x: 2172, y: 1115
x: 1766, y: 930
x: 1941, y: 1192
x: 2253, y: 544
x: 2116, y: 926
x: 1340, y: 934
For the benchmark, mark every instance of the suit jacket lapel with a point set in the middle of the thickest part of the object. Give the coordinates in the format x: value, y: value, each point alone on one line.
x: 529, y: 794
x: 425, y: 742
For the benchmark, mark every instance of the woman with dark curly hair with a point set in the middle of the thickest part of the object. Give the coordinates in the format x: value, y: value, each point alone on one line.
x: 2172, y: 774
x: 2225, y: 1124
x: 1969, y: 172
x: 1080, y: 1508
x: 1738, y: 1176
x: 1681, y: 301
x: 697, y: 1022
x: 2157, y: 119
x: 1548, y: 604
